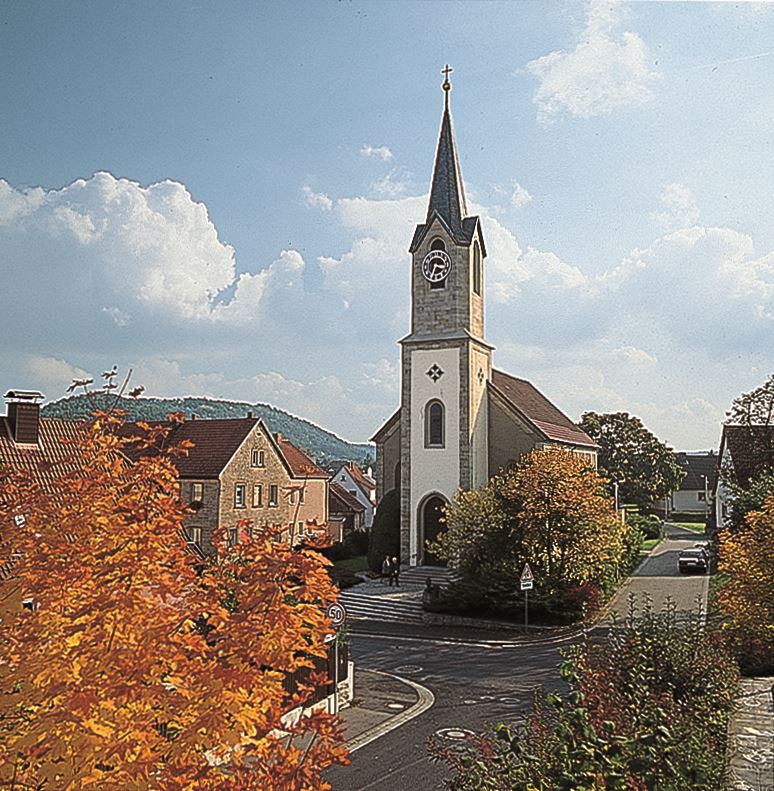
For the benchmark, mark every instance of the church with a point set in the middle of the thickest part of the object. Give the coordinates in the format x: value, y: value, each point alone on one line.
x: 460, y: 421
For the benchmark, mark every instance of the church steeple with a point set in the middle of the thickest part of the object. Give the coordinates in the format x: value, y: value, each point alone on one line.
x: 447, y: 194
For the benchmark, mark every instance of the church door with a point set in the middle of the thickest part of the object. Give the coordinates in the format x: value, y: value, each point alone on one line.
x: 432, y: 511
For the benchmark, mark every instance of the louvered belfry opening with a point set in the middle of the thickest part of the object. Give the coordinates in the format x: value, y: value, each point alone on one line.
x: 23, y: 410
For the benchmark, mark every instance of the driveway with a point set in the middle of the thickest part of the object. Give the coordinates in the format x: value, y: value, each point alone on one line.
x: 657, y: 578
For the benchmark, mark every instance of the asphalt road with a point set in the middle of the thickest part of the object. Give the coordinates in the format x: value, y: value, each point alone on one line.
x: 476, y: 685
x: 473, y: 686
x: 657, y: 578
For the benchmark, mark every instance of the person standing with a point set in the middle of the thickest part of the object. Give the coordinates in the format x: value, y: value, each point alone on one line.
x: 395, y: 572
x: 387, y: 570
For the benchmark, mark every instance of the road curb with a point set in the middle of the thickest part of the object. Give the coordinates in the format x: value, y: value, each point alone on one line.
x: 526, y: 642
x: 426, y: 700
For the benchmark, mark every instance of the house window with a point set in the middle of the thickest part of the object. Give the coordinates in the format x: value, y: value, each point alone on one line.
x: 233, y: 536
x: 194, y: 535
x: 292, y: 497
x: 301, y: 529
x: 273, y: 493
x: 257, y: 459
x: 239, y: 495
x: 301, y: 496
x: 197, y: 492
x: 476, y: 269
x: 434, y: 425
x: 257, y: 495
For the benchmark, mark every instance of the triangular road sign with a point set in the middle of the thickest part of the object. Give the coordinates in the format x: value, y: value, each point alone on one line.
x: 526, y: 575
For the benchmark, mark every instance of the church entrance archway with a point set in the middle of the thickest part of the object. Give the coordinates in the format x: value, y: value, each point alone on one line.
x: 430, y: 514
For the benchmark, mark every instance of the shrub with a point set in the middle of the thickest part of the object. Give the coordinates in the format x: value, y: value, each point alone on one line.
x: 649, y: 524
x: 358, y: 542
x: 384, y: 538
x: 649, y: 708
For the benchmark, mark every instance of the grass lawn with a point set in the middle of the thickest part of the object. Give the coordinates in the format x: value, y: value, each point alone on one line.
x: 697, y: 527
x: 358, y: 563
x: 648, y: 544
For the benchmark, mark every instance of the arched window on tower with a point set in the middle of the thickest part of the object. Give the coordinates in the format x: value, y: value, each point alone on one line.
x: 476, y: 269
x: 438, y: 245
x: 435, y: 418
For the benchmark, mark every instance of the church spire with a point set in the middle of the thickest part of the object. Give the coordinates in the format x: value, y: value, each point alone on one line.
x: 447, y: 195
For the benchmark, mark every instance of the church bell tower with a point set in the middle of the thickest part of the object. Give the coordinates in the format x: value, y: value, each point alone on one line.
x: 445, y: 361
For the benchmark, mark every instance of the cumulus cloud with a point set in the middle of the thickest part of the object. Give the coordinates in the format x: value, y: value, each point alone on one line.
x: 604, y: 72
x: 318, y: 200
x: 679, y: 209
x: 108, y: 263
x: 53, y: 372
x: 379, y: 152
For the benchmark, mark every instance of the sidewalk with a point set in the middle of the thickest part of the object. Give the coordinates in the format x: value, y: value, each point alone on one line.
x: 751, y: 737
x: 382, y: 703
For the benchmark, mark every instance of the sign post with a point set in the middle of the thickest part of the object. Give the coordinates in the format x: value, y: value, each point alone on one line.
x: 338, y: 615
x: 527, y: 581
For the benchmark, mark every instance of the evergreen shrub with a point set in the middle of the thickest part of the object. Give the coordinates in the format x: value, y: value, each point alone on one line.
x: 384, y: 538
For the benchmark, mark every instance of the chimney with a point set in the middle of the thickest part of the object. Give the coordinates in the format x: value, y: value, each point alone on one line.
x: 278, y: 437
x: 24, y: 415
x: 251, y: 414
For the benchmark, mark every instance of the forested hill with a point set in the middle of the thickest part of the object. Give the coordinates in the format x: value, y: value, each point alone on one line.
x: 319, y: 443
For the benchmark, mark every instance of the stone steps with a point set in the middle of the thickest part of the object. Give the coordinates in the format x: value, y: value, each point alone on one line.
x: 381, y: 607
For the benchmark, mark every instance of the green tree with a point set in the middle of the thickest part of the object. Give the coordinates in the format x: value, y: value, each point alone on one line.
x: 385, y: 531
x: 645, y: 469
x: 551, y: 511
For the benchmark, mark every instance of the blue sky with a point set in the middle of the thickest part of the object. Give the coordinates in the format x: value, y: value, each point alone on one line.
x: 221, y: 196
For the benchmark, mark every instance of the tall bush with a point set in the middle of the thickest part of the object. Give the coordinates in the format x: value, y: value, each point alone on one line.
x: 385, y: 531
x: 648, y: 709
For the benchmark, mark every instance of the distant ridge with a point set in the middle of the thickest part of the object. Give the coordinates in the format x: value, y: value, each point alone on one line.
x: 322, y: 445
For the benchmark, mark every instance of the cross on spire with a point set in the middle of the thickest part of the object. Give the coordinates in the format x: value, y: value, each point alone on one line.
x: 446, y: 71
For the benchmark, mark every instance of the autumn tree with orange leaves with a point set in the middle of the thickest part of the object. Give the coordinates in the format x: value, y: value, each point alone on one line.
x: 551, y: 511
x: 138, y: 666
x: 746, y: 594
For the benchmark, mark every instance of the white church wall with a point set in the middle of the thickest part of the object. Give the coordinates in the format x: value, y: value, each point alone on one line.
x: 480, y: 361
x: 433, y: 470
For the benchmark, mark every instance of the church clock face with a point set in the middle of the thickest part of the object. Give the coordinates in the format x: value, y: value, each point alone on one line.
x: 436, y: 266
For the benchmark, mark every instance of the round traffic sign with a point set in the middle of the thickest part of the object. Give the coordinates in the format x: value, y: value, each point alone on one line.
x: 336, y: 613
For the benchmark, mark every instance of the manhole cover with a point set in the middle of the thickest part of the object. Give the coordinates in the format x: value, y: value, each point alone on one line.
x: 469, y: 701
x: 395, y: 706
x: 486, y: 697
x: 510, y: 701
x: 455, y: 734
x: 408, y: 669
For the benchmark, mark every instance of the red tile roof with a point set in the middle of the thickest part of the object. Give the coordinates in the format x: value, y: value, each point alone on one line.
x: 301, y: 465
x: 215, y: 442
x: 348, y: 500
x: 531, y: 403
x: 366, y: 484
x: 53, y: 456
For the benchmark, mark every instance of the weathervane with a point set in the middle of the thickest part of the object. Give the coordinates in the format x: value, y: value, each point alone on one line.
x: 446, y: 71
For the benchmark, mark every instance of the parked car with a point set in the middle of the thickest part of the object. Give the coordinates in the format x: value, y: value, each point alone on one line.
x: 695, y: 559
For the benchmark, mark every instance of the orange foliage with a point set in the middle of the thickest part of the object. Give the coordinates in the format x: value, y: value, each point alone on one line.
x: 568, y: 525
x: 137, y: 669
x: 747, y: 593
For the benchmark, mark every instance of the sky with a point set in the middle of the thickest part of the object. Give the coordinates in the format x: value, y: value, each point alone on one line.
x: 220, y: 196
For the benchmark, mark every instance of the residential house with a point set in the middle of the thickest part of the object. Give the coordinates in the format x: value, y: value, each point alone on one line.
x: 238, y: 471
x: 42, y: 447
x: 745, y: 452
x: 698, y: 483
x: 361, y: 486
x: 308, y: 491
x: 345, y: 513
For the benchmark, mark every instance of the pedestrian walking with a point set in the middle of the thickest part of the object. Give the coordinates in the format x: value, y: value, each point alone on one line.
x: 387, y: 569
x: 395, y: 572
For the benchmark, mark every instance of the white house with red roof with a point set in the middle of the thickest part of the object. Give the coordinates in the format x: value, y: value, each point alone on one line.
x: 460, y: 420
x: 360, y: 486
